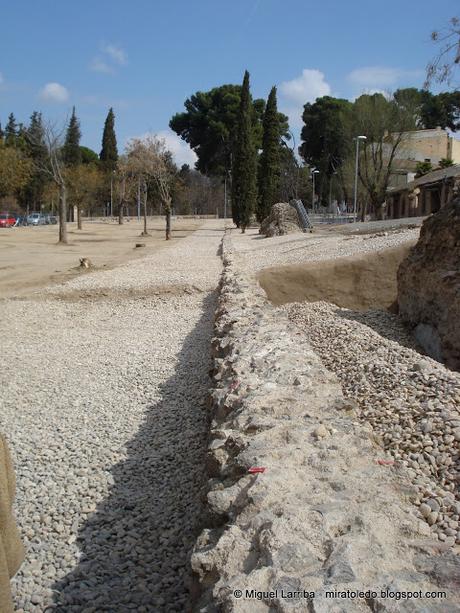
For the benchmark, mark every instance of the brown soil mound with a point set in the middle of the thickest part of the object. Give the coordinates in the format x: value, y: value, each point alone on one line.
x: 358, y: 282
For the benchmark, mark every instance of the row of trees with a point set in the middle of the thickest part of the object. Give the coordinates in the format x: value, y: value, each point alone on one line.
x: 248, y: 140
x: 29, y: 154
x: 42, y: 167
x: 331, y: 124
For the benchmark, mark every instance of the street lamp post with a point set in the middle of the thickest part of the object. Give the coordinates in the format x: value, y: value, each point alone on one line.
x: 355, y: 197
x: 313, y: 173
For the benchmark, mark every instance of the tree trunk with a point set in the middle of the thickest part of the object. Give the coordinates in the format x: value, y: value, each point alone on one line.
x: 168, y: 222
x: 120, y: 213
x: 63, y: 214
x: 145, y: 232
x: 79, y: 218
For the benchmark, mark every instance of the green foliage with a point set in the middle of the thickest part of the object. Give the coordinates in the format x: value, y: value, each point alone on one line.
x: 72, y: 152
x: 209, y: 126
x: 430, y: 110
x: 15, y: 170
x: 109, y: 151
x: 32, y: 193
x: 269, y: 168
x: 11, y: 131
x: 445, y: 163
x: 423, y: 168
x: 84, y: 182
x: 88, y: 156
x: 244, y: 189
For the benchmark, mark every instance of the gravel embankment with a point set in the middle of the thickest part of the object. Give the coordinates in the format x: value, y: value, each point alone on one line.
x: 299, y: 248
x: 103, y: 405
x: 410, y: 400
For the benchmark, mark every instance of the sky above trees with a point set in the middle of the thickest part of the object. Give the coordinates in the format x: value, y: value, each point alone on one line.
x: 145, y: 58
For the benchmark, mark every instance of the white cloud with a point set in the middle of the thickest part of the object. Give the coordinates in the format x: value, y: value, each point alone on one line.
x: 179, y: 148
x: 311, y: 84
x: 181, y: 152
x: 98, y: 65
x: 54, y: 92
x: 117, y: 54
x: 113, y: 57
x: 381, y: 76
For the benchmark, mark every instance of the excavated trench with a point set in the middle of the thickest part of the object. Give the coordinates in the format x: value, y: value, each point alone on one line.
x: 363, y: 282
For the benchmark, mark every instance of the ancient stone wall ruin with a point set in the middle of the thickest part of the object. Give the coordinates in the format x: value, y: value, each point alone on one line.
x: 302, y: 497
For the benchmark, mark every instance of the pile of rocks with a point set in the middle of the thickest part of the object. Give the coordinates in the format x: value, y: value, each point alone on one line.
x: 283, y: 219
x: 411, y: 402
x: 302, y: 495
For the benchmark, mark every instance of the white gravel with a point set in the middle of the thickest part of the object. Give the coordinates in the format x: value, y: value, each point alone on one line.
x: 412, y: 402
x: 103, y: 405
x: 299, y: 248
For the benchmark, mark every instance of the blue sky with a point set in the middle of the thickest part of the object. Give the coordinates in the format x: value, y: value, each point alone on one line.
x: 145, y: 57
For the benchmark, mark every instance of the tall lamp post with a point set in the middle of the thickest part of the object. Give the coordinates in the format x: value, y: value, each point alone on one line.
x: 355, y: 197
x: 313, y: 173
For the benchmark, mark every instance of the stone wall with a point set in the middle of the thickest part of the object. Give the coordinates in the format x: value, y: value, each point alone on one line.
x: 329, y: 511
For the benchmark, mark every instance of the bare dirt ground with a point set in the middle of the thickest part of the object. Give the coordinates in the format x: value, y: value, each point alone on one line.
x: 358, y: 282
x: 31, y: 258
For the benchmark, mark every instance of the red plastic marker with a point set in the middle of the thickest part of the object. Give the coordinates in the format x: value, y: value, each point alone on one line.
x: 256, y: 469
x: 385, y: 462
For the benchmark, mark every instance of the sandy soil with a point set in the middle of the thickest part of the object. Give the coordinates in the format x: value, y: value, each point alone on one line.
x: 358, y: 282
x: 31, y: 258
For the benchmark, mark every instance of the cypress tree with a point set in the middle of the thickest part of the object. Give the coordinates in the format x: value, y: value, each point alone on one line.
x: 72, y: 153
x: 244, y: 179
x: 269, y: 170
x: 109, y: 152
x: 11, y: 131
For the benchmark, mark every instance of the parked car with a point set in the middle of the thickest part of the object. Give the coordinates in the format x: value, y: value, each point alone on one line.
x: 51, y: 219
x: 36, y: 219
x: 7, y: 220
x: 21, y: 220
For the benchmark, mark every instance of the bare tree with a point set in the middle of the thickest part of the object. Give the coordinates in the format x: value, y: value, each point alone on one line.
x: 150, y: 159
x: 385, y: 125
x: 54, y: 167
x: 124, y: 185
x: 442, y: 67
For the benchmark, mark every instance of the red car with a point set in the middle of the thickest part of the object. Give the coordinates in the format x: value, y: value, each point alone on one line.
x: 7, y: 220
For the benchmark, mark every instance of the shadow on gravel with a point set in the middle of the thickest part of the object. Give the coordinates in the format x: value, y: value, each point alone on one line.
x: 384, y: 323
x: 135, y: 548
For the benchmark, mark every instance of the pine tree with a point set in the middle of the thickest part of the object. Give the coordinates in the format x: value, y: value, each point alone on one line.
x: 244, y: 179
x: 11, y: 131
x: 269, y: 170
x: 2, y: 135
x: 32, y: 194
x: 72, y: 153
x: 109, y: 152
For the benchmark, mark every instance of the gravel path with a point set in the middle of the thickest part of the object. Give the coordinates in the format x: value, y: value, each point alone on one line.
x: 412, y: 402
x: 104, y: 407
x: 263, y: 252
